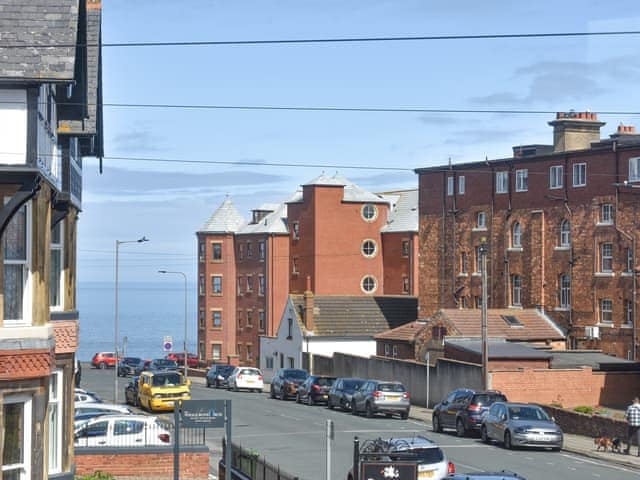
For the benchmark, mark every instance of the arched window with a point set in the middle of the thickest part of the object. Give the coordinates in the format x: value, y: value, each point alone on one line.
x: 565, y: 233
x: 516, y: 235
x: 565, y: 291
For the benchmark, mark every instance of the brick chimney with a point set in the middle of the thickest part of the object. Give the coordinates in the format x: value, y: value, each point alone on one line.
x: 308, y: 306
x: 575, y: 130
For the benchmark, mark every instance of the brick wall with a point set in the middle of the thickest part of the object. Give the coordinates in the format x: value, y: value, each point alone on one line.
x: 152, y: 465
x: 588, y: 425
x: 570, y: 387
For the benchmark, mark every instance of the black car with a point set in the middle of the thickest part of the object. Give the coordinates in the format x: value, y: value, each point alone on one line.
x: 315, y: 389
x: 342, y: 391
x: 143, y: 366
x: 127, y: 366
x: 218, y: 375
x: 162, y: 364
x: 131, y: 392
x: 286, y: 381
x: 464, y: 409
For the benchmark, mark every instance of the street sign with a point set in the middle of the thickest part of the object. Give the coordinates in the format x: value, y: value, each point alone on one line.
x: 203, y: 413
x: 167, y: 344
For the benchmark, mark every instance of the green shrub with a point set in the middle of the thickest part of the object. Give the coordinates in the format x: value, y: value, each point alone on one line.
x: 98, y: 475
x: 584, y: 409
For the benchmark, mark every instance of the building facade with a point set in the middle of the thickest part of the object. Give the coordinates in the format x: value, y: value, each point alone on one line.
x: 50, y: 118
x: 559, y: 224
x: 330, y: 238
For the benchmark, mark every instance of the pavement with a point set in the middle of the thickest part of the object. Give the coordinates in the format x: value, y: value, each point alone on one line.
x: 576, y: 444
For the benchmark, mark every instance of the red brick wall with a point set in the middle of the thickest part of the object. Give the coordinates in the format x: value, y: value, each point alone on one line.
x: 397, y: 266
x: 125, y: 465
x: 570, y: 388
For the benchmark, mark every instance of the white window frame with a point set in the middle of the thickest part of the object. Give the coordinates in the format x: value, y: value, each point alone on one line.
x: 606, y: 257
x: 607, y: 213
x: 262, y: 249
x: 213, y: 318
x: 461, y: 185
x: 55, y: 414
x: 26, y: 319
x: 565, y: 233
x: 628, y: 312
x: 369, y: 212
x: 25, y: 466
x: 262, y: 320
x: 464, y: 262
x: 634, y: 169
x: 450, y: 185
x: 516, y: 235
x: 502, y: 182
x: 579, y: 174
x: 630, y: 262
x: 57, y: 248
x: 295, y: 227
x: 565, y: 291
x: 481, y: 220
x: 216, y: 351
x: 522, y: 180
x: 478, y: 259
x: 369, y: 248
x: 516, y: 290
x: 606, y: 310
x: 366, y: 280
x: 261, y: 285
x: 556, y: 174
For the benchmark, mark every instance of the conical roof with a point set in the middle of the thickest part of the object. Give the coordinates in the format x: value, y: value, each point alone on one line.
x: 225, y: 219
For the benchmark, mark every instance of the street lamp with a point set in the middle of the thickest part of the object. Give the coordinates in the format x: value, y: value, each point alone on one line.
x: 186, y: 369
x: 115, y: 384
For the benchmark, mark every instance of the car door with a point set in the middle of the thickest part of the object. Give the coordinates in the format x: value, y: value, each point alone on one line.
x: 446, y: 410
x: 93, y: 435
x: 335, y: 393
x: 490, y: 419
x: 130, y: 433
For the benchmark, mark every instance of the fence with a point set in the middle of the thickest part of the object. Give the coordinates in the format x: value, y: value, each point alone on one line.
x: 246, y: 463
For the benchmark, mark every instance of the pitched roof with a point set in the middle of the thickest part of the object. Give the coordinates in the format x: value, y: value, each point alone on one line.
x: 533, y: 325
x: 32, y: 28
x: 403, y: 216
x: 498, y: 349
x: 274, y: 222
x: 352, y: 192
x: 225, y: 219
x: 357, y: 316
x: 406, y: 333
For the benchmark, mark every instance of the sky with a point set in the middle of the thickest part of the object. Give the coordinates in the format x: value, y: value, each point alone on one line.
x: 168, y: 201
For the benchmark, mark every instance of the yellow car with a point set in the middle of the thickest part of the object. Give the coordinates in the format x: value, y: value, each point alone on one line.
x: 162, y: 390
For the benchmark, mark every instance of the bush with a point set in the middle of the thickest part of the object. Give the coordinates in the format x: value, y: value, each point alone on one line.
x: 584, y: 409
x: 98, y: 475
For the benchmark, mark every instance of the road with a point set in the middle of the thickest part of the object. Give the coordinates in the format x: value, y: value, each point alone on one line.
x: 293, y: 436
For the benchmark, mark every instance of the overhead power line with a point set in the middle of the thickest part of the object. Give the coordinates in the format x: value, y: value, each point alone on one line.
x: 302, y: 41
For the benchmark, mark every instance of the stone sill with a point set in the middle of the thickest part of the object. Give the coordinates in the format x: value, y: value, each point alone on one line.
x: 604, y: 274
x: 514, y: 249
x: 479, y: 229
x: 562, y: 249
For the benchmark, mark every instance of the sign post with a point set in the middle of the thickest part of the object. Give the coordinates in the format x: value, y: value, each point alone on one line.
x: 167, y: 343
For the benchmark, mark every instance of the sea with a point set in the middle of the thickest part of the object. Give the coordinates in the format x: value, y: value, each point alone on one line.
x: 148, y: 312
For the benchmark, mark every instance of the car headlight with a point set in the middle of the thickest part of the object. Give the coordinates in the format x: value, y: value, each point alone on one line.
x: 157, y: 395
x: 185, y: 394
x: 521, y: 429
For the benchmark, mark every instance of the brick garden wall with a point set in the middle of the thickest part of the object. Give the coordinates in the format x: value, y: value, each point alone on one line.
x: 153, y: 464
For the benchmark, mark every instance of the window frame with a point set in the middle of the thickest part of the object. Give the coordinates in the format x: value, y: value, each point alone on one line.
x: 634, y: 169
x: 516, y: 290
x: 405, y: 248
x: 369, y: 212
x: 262, y: 320
x: 481, y: 220
x: 579, y: 171
x: 522, y: 180
x: 261, y: 284
x: 502, y: 182
x: 606, y: 314
x: 606, y: 257
x: 461, y: 185
x: 565, y: 233
x: 55, y: 413
x: 215, y: 280
x: 24, y: 467
x: 216, y: 323
x: 516, y: 235
x: 556, y: 177
x: 365, y: 248
x: 57, y: 249
x: 369, y: 280
x: 630, y: 260
x: 450, y: 185
x: 607, y: 214
x: 216, y: 351
x: 214, y: 249
x: 565, y: 291
x: 628, y: 312
x: 262, y: 250
x: 25, y: 318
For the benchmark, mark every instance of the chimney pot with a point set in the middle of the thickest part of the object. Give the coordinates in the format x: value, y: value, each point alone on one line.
x: 575, y: 130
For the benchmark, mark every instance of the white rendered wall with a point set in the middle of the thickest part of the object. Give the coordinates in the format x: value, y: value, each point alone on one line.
x: 13, y: 126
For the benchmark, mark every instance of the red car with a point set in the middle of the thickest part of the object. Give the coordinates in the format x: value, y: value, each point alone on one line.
x: 103, y: 360
x: 192, y: 360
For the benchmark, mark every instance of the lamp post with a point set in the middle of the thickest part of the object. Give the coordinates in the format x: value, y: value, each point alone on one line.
x: 115, y: 375
x: 485, y: 346
x: 186, y: 369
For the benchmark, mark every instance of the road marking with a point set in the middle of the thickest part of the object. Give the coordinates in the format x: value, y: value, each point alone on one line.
x: 600, y: 464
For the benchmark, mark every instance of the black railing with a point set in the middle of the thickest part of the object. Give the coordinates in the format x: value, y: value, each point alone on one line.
x: 247, y: 463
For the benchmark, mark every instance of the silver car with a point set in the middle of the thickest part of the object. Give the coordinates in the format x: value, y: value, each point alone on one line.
x: 521, y: 425
x: 377, y: 396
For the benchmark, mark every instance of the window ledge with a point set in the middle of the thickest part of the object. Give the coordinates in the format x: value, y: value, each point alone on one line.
x: 626, y: 274
x: 626, y: 325
x: 515, y: 307
x: 562, y: 249
x: 479, y: 229
x: 463, y: 274
x: 581, y: 185
x: 514, y: 249
x: 604, y: 274
x: 562, y: 309
x: 605, y: 324
x: 476, y: 274
x: 604, y: 224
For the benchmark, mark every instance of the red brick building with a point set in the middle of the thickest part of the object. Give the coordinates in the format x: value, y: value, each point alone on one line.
x: 560, y: 225
x: 335, y: 235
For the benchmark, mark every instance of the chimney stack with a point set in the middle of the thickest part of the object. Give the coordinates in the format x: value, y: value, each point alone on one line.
x: 575, y: 130
x: 308, y: 306
x: 624, y: 130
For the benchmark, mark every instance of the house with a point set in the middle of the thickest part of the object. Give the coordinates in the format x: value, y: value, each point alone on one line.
x: 345, y: 240
x: 325, y: 324
x: 559, y: 223
x: 50, y: 118
x: 413, y: 341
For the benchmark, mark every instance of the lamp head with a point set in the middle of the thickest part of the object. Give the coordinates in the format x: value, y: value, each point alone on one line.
x: 143, y: 239
x: 162, y: 271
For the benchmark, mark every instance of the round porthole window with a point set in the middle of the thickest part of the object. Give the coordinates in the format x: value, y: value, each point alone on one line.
x: 369, y: 212
x: 369, y: 248
x: 369, y: 284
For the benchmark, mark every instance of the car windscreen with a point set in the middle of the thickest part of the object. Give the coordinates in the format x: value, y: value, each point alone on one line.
x: 527, y: 413
x: 421, y: 455
x: 166, y: 380
x: 131, y: 360
x: 165, y: 363
x: 297, y: 374
x: 352, y: 384
x: 249, y: 371
x: 487, y: 399
x: 391, y: 387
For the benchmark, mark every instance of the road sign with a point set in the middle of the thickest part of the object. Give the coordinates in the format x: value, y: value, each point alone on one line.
x: 203, y: 413
x: 167, y: 344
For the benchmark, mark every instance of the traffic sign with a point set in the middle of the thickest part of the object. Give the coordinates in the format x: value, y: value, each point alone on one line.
x: 167, y: 344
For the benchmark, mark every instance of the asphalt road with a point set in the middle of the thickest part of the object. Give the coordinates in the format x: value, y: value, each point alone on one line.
x: 293, y: 436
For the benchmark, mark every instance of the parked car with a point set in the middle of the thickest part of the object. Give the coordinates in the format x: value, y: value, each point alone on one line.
x: 84, y: 396
x: 127, y: 366
x: 160, y: 390
x: 502, y: 475
x: 341, y: 392
x: 192, y: 359
x: 121, y: 431
x: 87, y: 411
x: 377, y: 396
x: 464, y: 409
x: 131, y: 392
x: 286, y: 381
x: 248, y: 378
x: 429, y: 457
x: 104, y: 360
x: 521, y: 425
x: 142, y: 367
x: 218, y: 375
x: 162, y: 364
x: 315, y: 389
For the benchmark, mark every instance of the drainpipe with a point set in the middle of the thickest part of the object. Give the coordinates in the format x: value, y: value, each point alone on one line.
x: 490, y: 231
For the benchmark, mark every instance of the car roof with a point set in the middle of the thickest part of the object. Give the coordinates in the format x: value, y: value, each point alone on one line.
x: 144, y: 418
x: 418, y: 441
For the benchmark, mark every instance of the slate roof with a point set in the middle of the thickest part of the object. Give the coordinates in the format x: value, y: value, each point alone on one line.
x: 352, y: 192
x: 535, y: 325
x: 30, y: 29
x: 404, y: 211
x: 357, y: 316
x: 498, y: 349
x: 226, y: 219
x: 405, y: 333
x: 274, y: 222
x: 594, y: 359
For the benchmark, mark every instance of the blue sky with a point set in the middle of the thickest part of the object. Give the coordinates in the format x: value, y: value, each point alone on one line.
x: 168, y: 202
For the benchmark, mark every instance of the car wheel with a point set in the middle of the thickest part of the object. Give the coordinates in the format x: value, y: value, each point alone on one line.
x: 102, y: 365
x: 208, y: 384
x: 298, y: 398
x: 354, y: 410
x: 329, y: 404
x: 368, y: 410
x: 483, y: 434
x: 272, y: 393
x: 310, y: 401
x: 507, y: 441
x: 404, y: 415
x: 556, y: 449
x: 436, y: 424
x: 460, y: 430
x: 346, y: 406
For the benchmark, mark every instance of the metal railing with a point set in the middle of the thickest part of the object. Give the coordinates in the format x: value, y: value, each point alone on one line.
x: 249, y: 464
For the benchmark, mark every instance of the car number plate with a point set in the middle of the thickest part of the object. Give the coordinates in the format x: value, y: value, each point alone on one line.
x: 169, y: 402
x: 427, y: 474
x: 541, y: 438
x: 249, y: 380
x: 392, y: 397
